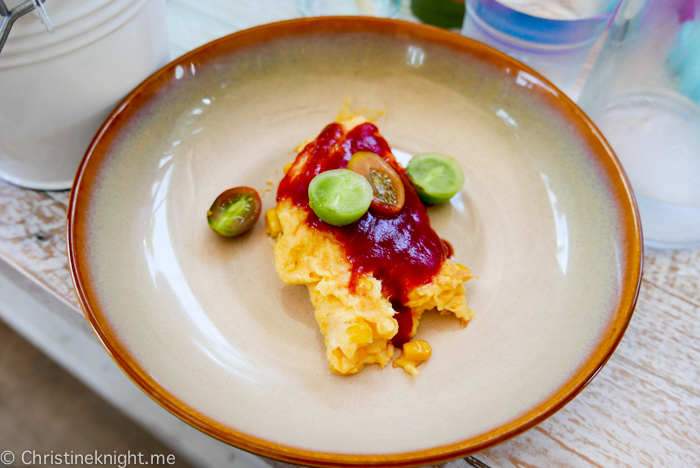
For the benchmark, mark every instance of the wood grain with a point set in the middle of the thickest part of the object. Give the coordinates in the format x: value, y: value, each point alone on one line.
x: 675, y: 271
x: 627, y: 417
x: 663, y: 337
x: 33, y: 239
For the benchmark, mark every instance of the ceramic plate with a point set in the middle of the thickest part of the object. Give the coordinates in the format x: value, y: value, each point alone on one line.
x: 546, y: 221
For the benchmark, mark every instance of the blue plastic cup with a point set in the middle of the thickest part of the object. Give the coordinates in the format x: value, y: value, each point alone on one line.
x: 547, y: 35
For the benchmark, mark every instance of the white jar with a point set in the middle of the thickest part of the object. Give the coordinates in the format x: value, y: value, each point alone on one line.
x: 57, y: 89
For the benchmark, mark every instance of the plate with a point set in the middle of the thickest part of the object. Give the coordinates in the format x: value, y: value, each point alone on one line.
x: 203, y: 325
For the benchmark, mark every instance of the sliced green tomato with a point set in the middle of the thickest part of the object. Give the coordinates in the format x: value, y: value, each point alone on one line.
x: 340, y: 196
x: 235, y: 211
x: 388, y: 190
x: 436, y: 177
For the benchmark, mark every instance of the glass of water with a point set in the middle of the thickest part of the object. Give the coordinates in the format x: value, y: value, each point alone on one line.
x: 644, y: 95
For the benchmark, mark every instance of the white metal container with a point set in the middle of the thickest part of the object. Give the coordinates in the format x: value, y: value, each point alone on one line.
x: 57, y: 89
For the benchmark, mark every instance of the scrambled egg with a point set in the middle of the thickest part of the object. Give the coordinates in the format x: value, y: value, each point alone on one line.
x: 357, y: 326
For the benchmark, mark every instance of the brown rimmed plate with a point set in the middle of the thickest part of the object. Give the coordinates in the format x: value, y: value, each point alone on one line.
x: 202, y: 324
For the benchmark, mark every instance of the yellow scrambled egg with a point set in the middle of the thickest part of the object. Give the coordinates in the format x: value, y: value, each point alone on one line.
x: 357, y: 326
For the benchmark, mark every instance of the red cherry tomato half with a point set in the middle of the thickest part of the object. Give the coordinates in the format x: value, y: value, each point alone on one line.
x: 389, y: 192
x: 235, y: 211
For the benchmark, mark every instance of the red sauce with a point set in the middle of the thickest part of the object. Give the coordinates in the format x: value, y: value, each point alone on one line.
x: 401, y: 250
x: 449, y: 250
x: 405, y: 319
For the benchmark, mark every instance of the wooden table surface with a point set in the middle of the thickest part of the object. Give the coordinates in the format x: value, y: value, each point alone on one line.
x: 643, y: 408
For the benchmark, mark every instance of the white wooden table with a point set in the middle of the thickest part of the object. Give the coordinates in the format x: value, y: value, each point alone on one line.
x: 643, y: 409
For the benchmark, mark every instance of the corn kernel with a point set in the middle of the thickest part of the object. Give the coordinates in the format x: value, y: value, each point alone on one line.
x: 461, y: 267
x: 360, y: 333
x: 287, y: 167
x: 272, y: 222
x: 417, y: 350
x: 365, y: 285
x: 408, y: 366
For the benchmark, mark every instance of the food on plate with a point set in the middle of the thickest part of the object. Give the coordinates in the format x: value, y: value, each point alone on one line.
x: 436, y: 177
x: 413, y: 353
x: 235, y: 211
x: 388, y: 192
x: 340, y: 196
x: 369, y: 280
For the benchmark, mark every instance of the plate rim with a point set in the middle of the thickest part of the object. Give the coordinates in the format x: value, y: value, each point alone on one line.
x: 137, y: 98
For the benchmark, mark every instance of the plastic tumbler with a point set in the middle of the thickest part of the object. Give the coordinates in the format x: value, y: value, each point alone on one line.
x: 552, y: 36
x: 644, y: 95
